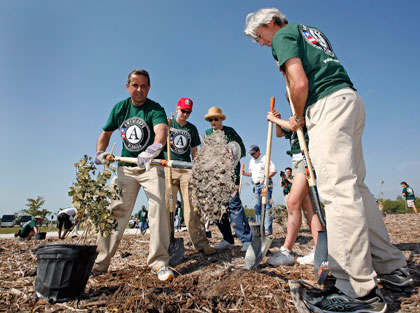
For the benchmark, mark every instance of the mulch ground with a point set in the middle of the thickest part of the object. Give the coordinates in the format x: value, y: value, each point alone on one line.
x: 219, y: 283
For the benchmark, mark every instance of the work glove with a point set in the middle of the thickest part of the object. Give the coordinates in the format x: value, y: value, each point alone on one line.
x: 235, y: 151
x: 144, y: 158
x: 100, y: 157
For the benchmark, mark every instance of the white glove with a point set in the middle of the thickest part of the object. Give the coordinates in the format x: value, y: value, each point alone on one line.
x: 235, y: 150
x: 100, y: 157
x: 144, y: 158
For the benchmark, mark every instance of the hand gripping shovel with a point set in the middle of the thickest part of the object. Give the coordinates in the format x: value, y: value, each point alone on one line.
x: 321, y: 251
x: 176, y: 249
x: 260, y: 242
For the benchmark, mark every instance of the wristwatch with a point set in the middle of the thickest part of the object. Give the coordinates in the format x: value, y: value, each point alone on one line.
x: 298, y: 119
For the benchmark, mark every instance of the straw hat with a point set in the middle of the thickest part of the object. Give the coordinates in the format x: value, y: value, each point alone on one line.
x: 215, y: 112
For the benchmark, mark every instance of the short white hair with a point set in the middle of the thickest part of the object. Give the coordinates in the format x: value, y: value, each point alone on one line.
x: 261, y: 18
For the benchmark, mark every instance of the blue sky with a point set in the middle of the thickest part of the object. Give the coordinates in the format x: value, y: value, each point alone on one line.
x: 64, y: 65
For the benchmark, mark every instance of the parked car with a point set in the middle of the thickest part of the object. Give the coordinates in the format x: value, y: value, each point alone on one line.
x: 25, y: 218
x: 8, y: 220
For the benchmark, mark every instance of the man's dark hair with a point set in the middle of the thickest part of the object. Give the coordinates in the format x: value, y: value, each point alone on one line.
x: 139, y: 72
x: 403, y: 182
x: 288, y: 168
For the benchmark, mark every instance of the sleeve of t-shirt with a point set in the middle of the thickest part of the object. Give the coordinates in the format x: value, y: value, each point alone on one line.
x: 111, y: 124
x: 285, y: 46
x: 238, y: 139
x: 159, y: 116
x: 195, y: 137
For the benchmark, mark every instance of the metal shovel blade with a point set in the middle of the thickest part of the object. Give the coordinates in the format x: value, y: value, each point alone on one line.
x: 258, y: 247
x: 176, y: 251
x: 321, y: 258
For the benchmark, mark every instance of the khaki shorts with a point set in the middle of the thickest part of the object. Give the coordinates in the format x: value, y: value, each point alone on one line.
x: 298, y: 167
x: 411, y: 203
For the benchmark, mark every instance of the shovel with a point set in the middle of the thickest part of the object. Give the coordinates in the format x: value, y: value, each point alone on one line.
x: 176, y: 249
x: 157, y: 162
x: 321, y: 251
x: 241, y: 178
x: 260, y: 242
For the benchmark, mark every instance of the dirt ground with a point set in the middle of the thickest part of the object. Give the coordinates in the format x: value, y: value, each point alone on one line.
x: 218, y: 283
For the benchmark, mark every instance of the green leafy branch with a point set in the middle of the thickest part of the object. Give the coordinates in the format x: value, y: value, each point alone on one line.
x: 91, y: 196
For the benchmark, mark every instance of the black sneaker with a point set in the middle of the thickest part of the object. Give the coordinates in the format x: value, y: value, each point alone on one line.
x: 333, y: 300
x: 400, y: 278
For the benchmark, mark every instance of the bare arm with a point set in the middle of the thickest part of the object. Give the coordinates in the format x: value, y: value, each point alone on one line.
x: 161, y: 133
x: 298, y: 85
x: 103, y: 140
x: 247, y: 173
x: 193, y: 152
x: 271, y: 174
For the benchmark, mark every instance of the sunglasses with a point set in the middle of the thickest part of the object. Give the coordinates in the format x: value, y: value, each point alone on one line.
x: 213, y: 119
x: 185, y: 111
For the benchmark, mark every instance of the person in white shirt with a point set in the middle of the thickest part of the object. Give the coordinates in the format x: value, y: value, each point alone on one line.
x: 64, y: 219
x: 256, y: 171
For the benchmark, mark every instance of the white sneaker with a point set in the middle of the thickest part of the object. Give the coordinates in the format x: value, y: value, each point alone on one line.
x: 307, y: 259
x: 224, y: 245
x: 245, y: 246
x: 283, y: 257
x: 164, y: 273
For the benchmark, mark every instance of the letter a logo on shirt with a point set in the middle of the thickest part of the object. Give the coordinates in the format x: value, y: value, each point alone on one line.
x: 135, y: 134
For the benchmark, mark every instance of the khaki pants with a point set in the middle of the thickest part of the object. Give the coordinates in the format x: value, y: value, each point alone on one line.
x: 358, y: 242
x: 130, y: 179
x: 180, y: 182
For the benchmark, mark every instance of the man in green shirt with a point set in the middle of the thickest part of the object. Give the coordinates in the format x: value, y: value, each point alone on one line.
x: 143, y: 127
x: 236, y: 211
x: 323, y: 96
x: 142, y: 217
x: 184, y: 140
x: 29, y: 229
x: 410, y: 198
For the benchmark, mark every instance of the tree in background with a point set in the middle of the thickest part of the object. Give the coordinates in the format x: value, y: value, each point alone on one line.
x: 34, y: 207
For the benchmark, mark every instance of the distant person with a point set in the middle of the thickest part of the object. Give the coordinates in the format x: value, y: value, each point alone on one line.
x: 286, y: 182
x: 410, y: 198
x: 142, y: 218
x: 184, y: 142
x: 143, y: 126
x: 235, y: 209
x: 256, y: 169
x: 63, y: 219
x: 324, y: 98
x: 29, y: 229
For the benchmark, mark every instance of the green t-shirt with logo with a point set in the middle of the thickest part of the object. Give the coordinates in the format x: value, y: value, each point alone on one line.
x: 181, y: 139
x: 142, y: 215
x: 232, y: 135
x: 294, y: 142
x: 322, y: 67
x: 409, y: 193
x: 136, y: 125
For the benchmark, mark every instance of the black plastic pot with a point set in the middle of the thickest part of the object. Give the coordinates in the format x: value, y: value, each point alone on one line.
x: 63, y: 271
x: 40, y: 236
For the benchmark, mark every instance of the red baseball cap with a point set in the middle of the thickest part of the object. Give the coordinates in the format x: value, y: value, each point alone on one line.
x: 185, y: 103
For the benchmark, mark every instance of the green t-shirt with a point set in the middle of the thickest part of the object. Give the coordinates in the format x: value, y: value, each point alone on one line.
x: 142, y: 215
x: 26, y: 229
x: 232, y: 135
x: 136, y: 125
x: 294, y: 142
x: 181, y: 139
x: 409, y: 193
x: 322, y: 67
